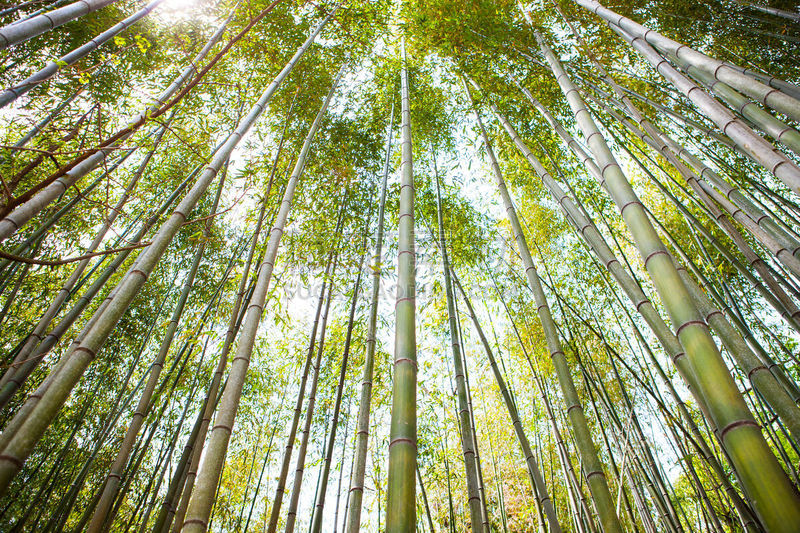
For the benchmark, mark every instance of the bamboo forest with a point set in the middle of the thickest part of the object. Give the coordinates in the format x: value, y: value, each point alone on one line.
x: 435, y: 266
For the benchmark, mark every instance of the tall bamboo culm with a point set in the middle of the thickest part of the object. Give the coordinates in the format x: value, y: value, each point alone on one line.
x: 467, y: 439
x: 774, y: 498
x: 401, y: 507
x: 537, y: 481
x: 353, y: 523
x: 595, y: 475
x: 207, y: 478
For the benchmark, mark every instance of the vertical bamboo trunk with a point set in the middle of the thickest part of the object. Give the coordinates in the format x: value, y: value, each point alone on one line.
x: 591, y: 462
x: 294, y: 500
x: 25, y: 438
x: 425, y: 501
x: 342, y: 463
x: 401, y: 508
x: 775, y: 499
x: 290, y: 439
x: 537, y: 481
x: 481, y: 484
x: 467, y: 440
x: 316, y: 521
x: 356, y: 493
x: 199, y: 509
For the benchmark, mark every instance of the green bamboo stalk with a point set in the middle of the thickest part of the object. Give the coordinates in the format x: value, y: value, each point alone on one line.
x: 537, y: 481
x: 425, y: 501
x: 294, y: 501
x: 468, y: 450
x: 759, y: 374
x: 24, y: 439
x: 773, y: 293
x: 591, y: 462
x: 316, y: 521
x: 199, y: 510
x: 753, y: 145
x: 356, y: 493
x: 401, y: 513
x: 174, y: 515
x: 287, y: 454
x: 775, y: 128
x: 774, y: 498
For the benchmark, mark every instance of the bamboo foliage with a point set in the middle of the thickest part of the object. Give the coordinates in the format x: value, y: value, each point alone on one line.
x: 23, y: 213
x: 20, y: 445
x: 143, y: 387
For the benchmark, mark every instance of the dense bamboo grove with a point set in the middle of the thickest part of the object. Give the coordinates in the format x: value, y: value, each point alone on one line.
x: 436, y: 266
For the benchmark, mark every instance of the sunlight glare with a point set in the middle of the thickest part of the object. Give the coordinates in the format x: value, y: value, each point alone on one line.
x: 180, y: 9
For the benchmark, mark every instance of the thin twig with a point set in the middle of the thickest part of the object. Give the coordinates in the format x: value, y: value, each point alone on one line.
x: 59, y: 262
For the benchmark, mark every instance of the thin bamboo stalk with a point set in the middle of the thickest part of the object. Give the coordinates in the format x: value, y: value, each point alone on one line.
x: 537, y: 481
x: 316, y: 521
x: 401, y: 508
x: 356, y: 493
x: 294, y: 500
x: 199, y: 509
x: 467, y: 440
x: 594, y: 469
